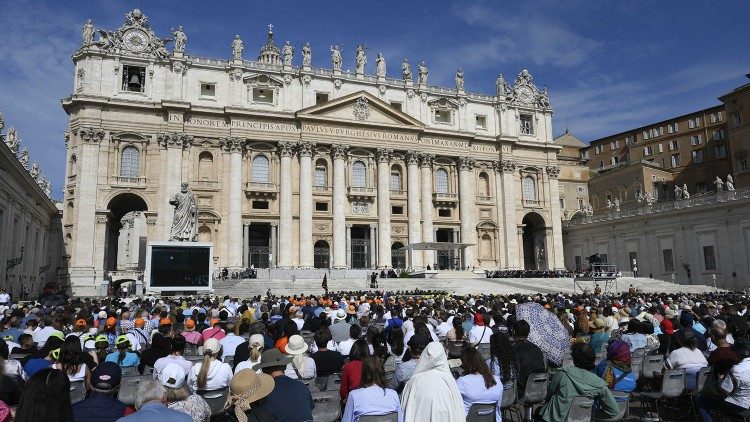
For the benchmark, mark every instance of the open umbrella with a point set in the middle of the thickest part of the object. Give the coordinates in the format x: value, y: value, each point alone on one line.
x: 547, y: 331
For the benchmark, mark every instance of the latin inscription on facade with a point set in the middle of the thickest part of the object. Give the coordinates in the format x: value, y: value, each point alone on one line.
x: 358, y: 133
x: 238, y: 124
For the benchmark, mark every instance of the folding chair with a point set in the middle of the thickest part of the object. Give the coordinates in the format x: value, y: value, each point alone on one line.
x: 455, y: 348
x: 636, y: 364
x: 484, y: 350
x: 651, y: 364
x: 481, y: 412
x: 510, y: 395
x: 327, y: 406
x: 672, y: 386
x: 193, y: 358
x: 334, y: 382
x: 389, y: 417
x: 535, y: 393
x: 701, y: 376
x: 216, y: 399
x: 638, y: 352
x: 581, y: 409
x: 623, y: 402
x: 128, y: 386
x: 129, y: 371
x: 77, y: 391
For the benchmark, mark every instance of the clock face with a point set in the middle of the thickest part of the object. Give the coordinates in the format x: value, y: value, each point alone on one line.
x: 135, y: 40
x: 525, y: 95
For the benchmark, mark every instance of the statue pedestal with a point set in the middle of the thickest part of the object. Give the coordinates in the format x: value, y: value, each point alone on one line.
x: 306, y: 68
x: 179, y: 267
x: 178, y: 54
x: 287, y: 68
x: 360, y: 76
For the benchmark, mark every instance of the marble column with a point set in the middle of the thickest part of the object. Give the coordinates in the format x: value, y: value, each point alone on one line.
x: 373, y: 256
x: 519, y: 246
x: 456, y: 236
x: 556, y: 253
x: 246, y: 245
x: 500, y: 242
x: 174, y: 143
x: 341, y: 233
x: 273, y: 262
x: 467, y: 203
x: 234, y: 147
x: 412, y: 204
x: 384, y: 206
x: 425, y: 165
x: 285, y: 255
x: 89, y: 139
x: 513, y: 260
x: 306, y: 151
x: 348, y: 246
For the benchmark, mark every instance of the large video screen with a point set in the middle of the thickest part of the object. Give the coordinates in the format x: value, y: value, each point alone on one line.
x: 184, y: 266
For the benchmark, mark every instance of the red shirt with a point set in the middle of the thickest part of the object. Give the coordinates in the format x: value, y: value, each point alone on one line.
x: 350, y: 378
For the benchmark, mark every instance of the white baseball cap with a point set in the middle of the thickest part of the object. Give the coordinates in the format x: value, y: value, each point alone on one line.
x: 173, y: 376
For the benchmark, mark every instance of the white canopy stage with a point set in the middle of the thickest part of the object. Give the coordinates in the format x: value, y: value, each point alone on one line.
x: 432, y: 246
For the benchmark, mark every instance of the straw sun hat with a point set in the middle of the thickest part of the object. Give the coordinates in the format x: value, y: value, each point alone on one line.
x: 246, y: 388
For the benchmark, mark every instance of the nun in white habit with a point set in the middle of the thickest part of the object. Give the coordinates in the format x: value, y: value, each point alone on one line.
x: 431, y: 394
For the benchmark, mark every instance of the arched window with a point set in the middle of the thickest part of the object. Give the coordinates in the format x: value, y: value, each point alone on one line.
x: 441, y: 181
x: 484, y: 184
x: 529, y: 188
x: 359, y: 175
x: 395, y: 178
x: 129, y: 162
x: 486, y: 246
x: 321, y: 174
x: 260, y: 169
x: 205, y: 166
x: 72, y: 165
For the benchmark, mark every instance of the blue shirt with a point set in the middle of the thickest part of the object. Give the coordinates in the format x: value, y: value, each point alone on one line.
x: 626, y: 384
x: 403, y: 372
x: 636, y: 341
x: 150, y: 412
x: 131, y: 359
x: 290, y: 400
x: 371, y: 401
x: 597, y: 339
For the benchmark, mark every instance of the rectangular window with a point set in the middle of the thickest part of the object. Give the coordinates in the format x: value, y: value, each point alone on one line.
x: 709, y: 258
x: 645, y: 135
x: 263, y: 95
x: 443, y: 116
x: 668, y: 260
x: 397, y: 210
x: 696, y: 140
x: 208, y: 90
x: 527, y: 124
x: 718, y: 135
x: 673, y: 145
x: 716, y: 117
x: 133, y: 78
x: 321, y: 97
x: 672, y: 128
x: 396, y: 105
x: 736, y: 118
x: 697, y: 155
x: 320, y: 176
x: 742, y: 163
x: 598, y: 149
x: 444, y: 212
x: 721, y: 151
x: 675, y: 160
x: 693, y: 123
x: 481, y: 122
x: 321, y: 206
x: 260, y: 205
x: 612, y: 145
x: 661, y: 148
x: 562, y: 203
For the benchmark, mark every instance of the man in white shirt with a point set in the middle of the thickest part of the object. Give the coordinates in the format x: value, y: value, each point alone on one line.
x: 41, y: 336
x: 446, y: 324
x: 298, y: 319
x: 230, y: 342
x: 178, y: 348
x: 346, y: 346
x: 4, y: 297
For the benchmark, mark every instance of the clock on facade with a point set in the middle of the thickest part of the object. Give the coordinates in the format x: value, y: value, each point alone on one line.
x: 135, y: 40
x: 525, y: 94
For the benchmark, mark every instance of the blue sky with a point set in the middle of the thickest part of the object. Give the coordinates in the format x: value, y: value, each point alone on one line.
x: 609, y: 65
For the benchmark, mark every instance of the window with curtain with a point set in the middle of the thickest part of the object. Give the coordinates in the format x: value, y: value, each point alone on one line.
x: 441, y: 181
x: 529, y: 188
x: 260, y: 169
x: 129, y: 162
x: 395, y: 179
x: 359, y: 175
x: 321, y: 178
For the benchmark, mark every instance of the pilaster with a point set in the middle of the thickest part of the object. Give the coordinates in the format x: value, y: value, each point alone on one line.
x: 425, y: 164
x: 467, y: 202
x: 234, y: 147
x: 285, y: 253
x: 413, y: 209
x: 306, y: 251
x: 341, y: 234
x: 383, y: 156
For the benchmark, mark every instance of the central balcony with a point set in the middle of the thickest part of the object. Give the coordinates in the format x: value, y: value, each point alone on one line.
x: 129, y: 182
x: 445, y: 198
x: 204, y: 185
x: 362, y: 193
x: 261, y: 189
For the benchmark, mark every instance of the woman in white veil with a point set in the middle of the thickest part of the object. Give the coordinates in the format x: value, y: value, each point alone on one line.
x: 432, y: 393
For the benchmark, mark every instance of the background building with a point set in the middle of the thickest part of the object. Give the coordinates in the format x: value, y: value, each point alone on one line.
x: 300, y: 167
x: 737, y: 108
x: 574, y: 175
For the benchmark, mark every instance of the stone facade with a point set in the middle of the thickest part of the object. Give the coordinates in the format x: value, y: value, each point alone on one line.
x: 298, y: 166
x: 737, y: 108
x: 574, y: 176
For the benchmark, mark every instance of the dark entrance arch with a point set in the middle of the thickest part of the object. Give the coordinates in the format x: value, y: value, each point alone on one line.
x: 322, y: 254
x: 118, y: 207
x: 534, y: 248
x: 398, y: 256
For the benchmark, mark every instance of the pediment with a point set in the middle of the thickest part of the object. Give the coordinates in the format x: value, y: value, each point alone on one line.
x: 360, y: 108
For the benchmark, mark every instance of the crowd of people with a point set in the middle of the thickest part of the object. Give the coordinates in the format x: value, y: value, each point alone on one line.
x: 420, y: 355
x: 527, y: 273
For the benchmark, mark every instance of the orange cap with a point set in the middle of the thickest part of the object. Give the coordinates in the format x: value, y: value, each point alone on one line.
x: 190, y: 324
x: 111, y: 322
x: 80, y: 323
x: 214, y: 321
x: 139, y: 323
x: 165, y: 321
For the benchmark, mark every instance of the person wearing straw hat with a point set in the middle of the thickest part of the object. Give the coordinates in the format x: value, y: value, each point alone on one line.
x: 600, y: 335
x: 247, y: 393
x: 178, y: 397
x: 290, y: 399
x: 302, y: 366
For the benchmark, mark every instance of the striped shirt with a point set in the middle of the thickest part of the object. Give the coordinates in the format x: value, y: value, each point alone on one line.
x: 371, y: 401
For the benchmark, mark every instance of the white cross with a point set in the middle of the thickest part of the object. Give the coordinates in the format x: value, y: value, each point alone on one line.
x: 270, y: 28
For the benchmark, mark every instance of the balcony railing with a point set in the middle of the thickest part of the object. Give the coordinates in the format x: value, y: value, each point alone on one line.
x: 132, y: 182
x: 264, y: 189
x: 485, y: 198
x: 446, y: 198
x: 322, y: 189
x: 532, y: 203
x: 362, y: 192
x: 205, y: 185
x: 398, y: 192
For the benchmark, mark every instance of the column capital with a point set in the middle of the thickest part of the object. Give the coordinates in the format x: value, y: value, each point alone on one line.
x: 174, y: 139
x: 504, y: 166
x: 383, y: 154
x: 91, y: 135
x: 426, y: 160
x: 306, y: 148
x: 286, y: 148
x: 232, y: 145
x: 466, y: 163
x: 412, y: 157
x: 553, y: 171
x: 338, y: 151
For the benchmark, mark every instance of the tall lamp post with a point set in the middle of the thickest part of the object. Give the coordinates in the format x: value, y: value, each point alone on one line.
x: 12, y: 263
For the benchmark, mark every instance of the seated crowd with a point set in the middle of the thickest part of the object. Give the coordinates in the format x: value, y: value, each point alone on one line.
x: 528, y: 273
x: 422, y: 356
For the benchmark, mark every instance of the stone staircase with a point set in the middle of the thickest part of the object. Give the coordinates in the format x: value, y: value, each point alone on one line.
x: 459, y: 282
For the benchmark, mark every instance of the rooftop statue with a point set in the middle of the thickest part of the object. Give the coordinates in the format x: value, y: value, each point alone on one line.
x: 288, y: 53
x: 179, y: 40
x: 306, y: 55
x: 87, y: 32
x: 460, y: 79
x: 12, y: 140
x: 238, y: 47
x: 361, y: 59
x: 24, y: 158
x: 406, y: 70
x: 336, y: 58
x: 380, y: 66
x: 423, y: 73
